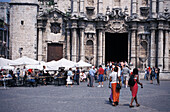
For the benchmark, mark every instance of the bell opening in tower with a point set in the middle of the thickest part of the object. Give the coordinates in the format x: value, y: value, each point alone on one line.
x: 116, y: 47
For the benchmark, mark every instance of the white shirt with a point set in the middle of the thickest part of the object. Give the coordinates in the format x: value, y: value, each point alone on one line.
x: 114, y: 76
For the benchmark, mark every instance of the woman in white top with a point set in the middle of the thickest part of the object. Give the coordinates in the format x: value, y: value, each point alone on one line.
x: 115, y: 79
x: 69, y: 75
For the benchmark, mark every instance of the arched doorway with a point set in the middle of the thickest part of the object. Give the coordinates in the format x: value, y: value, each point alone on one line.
x: 116, y: 47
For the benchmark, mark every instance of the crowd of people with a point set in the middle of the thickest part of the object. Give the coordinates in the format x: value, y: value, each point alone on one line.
x: 116, y: 73
x: 152, y: 73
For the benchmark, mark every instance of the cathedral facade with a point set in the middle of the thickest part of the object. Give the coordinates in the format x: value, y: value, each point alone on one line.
x: 96, y: 31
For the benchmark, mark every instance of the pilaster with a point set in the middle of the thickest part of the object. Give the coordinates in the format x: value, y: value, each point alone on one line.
x: 82, y: 50
x: 153, y: 45
x: 134, y: 7
x: 103, y: 48
x: 100, y: 7
x: 161, y: 6
x: 129, y: 46
x: 40, y: 45
x: 81, y: 7
x: 74, y: 10
x: 160, y: 45
x: 74, y: 40
x: 133, y: 44
x: 68, y: 44
x: 153, y: 8
x: 100, y: 47
x: 166, y: 56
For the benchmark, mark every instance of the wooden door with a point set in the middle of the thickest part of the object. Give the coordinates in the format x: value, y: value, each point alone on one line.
x: 55, y: 51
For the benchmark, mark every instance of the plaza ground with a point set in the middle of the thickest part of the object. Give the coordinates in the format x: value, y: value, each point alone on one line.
x: 152, y: 98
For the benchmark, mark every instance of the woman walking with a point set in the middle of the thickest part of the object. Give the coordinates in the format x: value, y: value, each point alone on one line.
x: 134, y: 89
x: 115, y: 79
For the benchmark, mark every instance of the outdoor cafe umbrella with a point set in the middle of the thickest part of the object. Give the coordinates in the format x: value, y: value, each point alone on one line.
x: 39, y: 66
x: 7, y: 67
x: 81, y: 63
x: 25, y: 61
x: 61, y: 63
x: 5, y: 62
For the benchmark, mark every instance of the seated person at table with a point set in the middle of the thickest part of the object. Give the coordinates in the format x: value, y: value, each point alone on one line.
x: 82, y: 76
x: 30, y: 79
x: 8, y: 76
x: 40, y: 73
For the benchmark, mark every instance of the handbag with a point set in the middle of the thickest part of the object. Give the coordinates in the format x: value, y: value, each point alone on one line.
x: 118, y: 87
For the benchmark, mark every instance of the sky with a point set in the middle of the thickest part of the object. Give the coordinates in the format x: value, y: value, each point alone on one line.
x: 5, y: 0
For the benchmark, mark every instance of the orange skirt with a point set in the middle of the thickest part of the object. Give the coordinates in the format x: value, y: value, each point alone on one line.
x: 115, y: 93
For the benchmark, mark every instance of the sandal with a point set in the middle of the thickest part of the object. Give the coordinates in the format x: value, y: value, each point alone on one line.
x: 137, y: 105
x: 113, y: 104
x: 130, y: 106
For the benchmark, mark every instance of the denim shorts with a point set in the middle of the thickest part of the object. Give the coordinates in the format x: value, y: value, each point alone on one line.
x: 101, y: 78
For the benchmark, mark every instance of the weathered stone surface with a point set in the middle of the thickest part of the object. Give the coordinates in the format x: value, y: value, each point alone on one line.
x: 88, y: 21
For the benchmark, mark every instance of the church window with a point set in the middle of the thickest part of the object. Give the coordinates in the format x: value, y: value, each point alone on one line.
x: 22, y: 22
x: 55, y: 28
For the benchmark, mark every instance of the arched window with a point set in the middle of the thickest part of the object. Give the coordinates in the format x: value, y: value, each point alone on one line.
x: 143, y: 49
x: 89, y: 48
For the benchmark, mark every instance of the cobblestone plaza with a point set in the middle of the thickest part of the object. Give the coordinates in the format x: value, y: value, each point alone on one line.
x: 152, y: 98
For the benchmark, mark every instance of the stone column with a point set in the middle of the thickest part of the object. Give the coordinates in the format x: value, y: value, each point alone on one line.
x: 74, y: 10
x: 160, y: 46
x: 82, y: 44
x: 134, y: 7
x: 95, y: 49
x: 100, y: 6
x: 161, y: 6
x: 129, y: 48
x: 133, y: 48
x: 166, y: 57
x: 40, y: 45
x: 153, y: 46
x: 82, y: 7
x: 103, y: 48
x: 68, y: 44
x: 153, y: 8
x: 74, y: 44
x: 100, y: 48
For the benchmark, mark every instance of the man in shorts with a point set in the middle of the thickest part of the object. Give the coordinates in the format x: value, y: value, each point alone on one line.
x: 100, y: 76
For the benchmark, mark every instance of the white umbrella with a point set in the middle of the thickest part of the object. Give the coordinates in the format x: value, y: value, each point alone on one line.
x: 26, y: 61
x: 61, y: 63
x: 7, y: 67
x: 39, y: 67
x: 81, y: 63
x: 5, y: 62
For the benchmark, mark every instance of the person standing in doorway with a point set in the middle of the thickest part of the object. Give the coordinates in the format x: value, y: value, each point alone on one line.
x: 77, y: 75
x: 100, y: 76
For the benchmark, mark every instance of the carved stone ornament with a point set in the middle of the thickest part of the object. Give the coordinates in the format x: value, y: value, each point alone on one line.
x: 90, y: 2
x: 116, y: 27
x: 90, y: 29
x: 117, y: 14
x: 165, y: 15
x: 144, y: 11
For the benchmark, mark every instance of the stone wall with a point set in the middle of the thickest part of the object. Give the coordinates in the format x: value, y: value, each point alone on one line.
x: 23, y: 30
x: 4, y: 7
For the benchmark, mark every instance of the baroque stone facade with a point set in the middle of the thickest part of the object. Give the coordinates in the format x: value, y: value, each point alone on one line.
x: 78, y: 30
